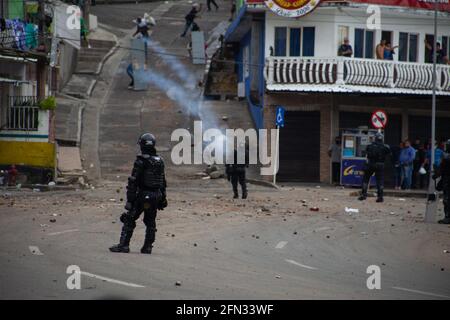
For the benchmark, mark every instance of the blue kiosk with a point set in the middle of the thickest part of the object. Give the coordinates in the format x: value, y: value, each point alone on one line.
x: 353, y: 160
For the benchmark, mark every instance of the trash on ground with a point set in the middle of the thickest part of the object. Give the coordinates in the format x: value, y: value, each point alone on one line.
x: 351, y: 210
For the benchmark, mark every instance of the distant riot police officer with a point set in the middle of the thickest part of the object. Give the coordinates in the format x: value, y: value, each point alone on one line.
x: 146, y: 192
x: 444, y: 184
x: 236, y: 172
x: 376, y: 156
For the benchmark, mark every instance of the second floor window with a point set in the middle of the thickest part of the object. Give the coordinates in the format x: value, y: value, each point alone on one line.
x: 364, y: 43
x: 294, y: 42
x: 407, y: 50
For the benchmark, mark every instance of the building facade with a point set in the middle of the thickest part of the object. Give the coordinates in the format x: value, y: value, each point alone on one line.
x: 29, y: 72
x: 293, y: 62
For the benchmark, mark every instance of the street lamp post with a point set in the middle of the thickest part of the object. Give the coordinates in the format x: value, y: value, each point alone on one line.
x: 430, y: 213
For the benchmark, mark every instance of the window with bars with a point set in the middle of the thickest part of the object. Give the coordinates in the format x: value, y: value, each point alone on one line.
x: 22, y: 114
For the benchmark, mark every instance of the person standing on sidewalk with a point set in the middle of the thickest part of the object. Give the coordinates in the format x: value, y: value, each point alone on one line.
x: 377, y: 152
x: 407, y: 156
x: 396, y: 163
x: 190, y: 17
x: 444, y: 184
x: 418, y: 178
x: 334, y: 152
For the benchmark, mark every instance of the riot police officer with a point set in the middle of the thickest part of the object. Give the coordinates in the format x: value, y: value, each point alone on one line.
x: 444, y: 183
x: 376, y: 156
x: 236, y: 173
x: 146, y: 192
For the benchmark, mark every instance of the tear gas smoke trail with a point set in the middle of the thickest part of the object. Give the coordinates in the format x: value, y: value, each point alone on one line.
x: 188, y: 102
x: 174, y: 64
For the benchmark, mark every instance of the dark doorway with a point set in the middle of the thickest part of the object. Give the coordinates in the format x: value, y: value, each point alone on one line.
x: 300, y: 147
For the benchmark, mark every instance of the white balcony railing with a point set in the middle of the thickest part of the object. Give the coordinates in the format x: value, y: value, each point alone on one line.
x: 340, y: 71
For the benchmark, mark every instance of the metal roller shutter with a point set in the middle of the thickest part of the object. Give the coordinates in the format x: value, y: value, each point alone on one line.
x: 300, y: 147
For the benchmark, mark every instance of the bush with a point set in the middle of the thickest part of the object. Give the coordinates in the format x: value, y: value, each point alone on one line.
x: 48, y: 103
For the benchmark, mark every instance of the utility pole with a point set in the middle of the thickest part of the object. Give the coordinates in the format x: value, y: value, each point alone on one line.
x: 41, y: 73
x: 430, y: 213
x: 86, y: 12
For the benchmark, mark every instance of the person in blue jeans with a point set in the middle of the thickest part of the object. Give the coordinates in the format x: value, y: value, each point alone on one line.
x: 407, y: 156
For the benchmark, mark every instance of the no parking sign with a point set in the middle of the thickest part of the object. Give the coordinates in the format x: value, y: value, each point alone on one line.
x: 379, y: 119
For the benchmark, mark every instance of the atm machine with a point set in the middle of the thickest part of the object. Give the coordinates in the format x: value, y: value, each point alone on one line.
x: 353, y: 157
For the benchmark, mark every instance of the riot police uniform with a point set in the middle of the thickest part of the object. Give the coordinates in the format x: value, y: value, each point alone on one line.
x: 236, y: 174
x: 376, y: 156
x: 444, y: 183
x: 146, y: 192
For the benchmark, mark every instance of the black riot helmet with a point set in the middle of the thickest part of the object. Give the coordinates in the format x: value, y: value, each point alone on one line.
x: 379, y: 137
x: 147, y: 143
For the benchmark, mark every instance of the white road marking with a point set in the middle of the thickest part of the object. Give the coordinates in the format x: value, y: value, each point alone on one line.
x: 128, y: 284
x: 281, y: 244
x: 35, y: 250
x: 62, y: 232
x: 421, y: 292
x: 300, y: 265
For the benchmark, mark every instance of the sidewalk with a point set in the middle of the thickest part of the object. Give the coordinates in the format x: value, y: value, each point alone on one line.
x: 73, y: 100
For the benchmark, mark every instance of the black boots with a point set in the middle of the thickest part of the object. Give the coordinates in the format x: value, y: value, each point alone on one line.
x: 149, y: 239
x: 363, y: 195
x: 446, y: 220
x: 147, y: 247
x: 124, y: 244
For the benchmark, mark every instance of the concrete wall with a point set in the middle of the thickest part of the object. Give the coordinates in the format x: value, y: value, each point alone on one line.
x: 67, y: 63
x: 36, y: 154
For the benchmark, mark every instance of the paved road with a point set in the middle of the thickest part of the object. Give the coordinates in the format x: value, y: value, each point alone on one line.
x: 124, y: 114
x: 269, y: 247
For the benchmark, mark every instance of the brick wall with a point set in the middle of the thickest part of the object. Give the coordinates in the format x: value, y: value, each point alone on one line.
x: 325, y: 139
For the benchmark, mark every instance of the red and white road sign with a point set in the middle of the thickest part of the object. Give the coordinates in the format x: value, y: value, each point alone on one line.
x: 379, y: 119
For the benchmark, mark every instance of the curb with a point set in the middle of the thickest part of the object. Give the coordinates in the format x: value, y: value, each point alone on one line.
x: 109, y: 54
x: 422, y: 195
x: 263, y: 183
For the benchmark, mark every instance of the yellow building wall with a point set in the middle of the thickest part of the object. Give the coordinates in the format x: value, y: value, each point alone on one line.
x: 36, y: 154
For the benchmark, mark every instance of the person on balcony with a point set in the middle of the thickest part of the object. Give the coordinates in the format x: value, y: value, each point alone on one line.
x: 441, y: 56
x: 379, y: 50
x: 389, y: 51
x: 345, y: 49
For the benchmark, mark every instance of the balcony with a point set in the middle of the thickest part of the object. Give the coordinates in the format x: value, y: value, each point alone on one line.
x: 340, y: 74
